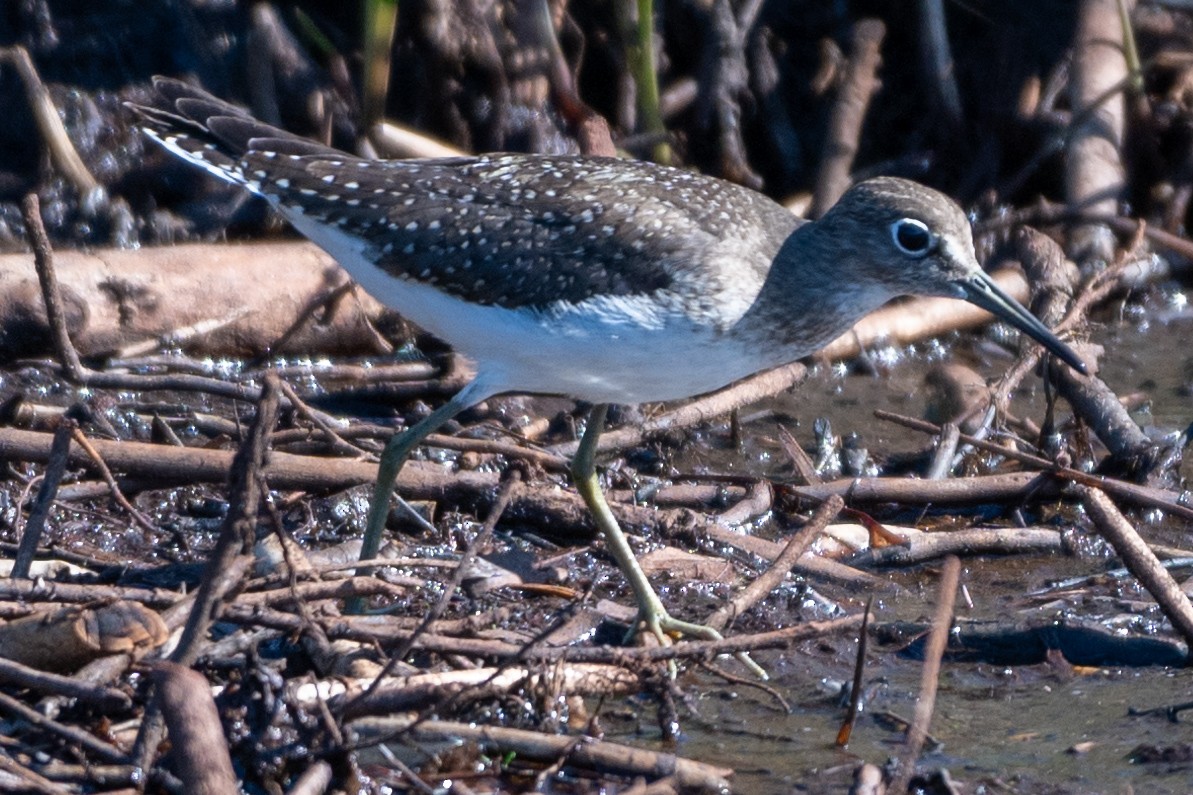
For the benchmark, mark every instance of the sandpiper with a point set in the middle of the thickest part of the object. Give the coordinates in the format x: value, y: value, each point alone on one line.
x: 607, y: 280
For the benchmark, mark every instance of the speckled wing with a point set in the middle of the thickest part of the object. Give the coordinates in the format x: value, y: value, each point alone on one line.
x: 522, y: 230
x: 508, y: 230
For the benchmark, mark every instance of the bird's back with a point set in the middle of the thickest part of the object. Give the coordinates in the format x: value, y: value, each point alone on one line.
x: 510, y: 230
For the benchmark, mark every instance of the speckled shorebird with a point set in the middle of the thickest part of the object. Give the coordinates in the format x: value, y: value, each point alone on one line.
x: 607, y: 280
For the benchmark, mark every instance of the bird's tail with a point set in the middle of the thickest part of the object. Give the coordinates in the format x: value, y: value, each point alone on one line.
x: 214, y: 134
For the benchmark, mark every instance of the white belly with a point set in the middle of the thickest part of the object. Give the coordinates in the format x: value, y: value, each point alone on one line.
x: 623, y: 350
x: 606, y: 356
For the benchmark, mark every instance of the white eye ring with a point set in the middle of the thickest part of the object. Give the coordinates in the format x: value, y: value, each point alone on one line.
x: 912, y: 237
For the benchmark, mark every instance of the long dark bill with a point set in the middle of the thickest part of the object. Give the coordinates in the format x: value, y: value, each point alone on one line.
x: 982, y: 290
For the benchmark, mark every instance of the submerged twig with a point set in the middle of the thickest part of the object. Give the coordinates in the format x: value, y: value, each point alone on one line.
x: 1140, y: 495
x: 925, y: 703
x: 782, y: 565
x: 55, y: 469
x: 1140, y: 560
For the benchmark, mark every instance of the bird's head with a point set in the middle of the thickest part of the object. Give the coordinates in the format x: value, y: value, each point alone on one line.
x: 902, y: 238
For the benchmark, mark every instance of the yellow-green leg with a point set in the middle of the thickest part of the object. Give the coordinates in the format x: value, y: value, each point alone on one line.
x: 651, y: 612
x: 396, y: 451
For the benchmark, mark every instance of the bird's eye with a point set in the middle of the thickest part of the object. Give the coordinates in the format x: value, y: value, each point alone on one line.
x: 912, y: 237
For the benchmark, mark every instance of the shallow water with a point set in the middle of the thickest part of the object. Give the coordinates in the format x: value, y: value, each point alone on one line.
x: 1027, y: 729
x: 1020, y: 727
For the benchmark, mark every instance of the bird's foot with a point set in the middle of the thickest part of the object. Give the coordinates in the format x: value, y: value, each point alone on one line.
x: 665, y: 628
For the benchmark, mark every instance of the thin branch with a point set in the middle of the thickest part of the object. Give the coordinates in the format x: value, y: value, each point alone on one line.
x: 47, y: 276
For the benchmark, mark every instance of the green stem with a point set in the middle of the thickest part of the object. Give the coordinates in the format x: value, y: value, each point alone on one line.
x: 380, y: 23
x: 646, y: 79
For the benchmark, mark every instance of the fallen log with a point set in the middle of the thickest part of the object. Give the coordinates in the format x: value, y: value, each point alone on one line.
x: 216, y: 299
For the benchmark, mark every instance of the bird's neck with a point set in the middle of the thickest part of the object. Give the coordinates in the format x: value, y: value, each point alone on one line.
x: 809, y: 297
